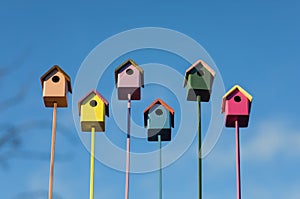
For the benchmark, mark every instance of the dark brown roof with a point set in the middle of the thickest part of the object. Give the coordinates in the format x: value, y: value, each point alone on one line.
x: 131, y: 62
x: 60, y: 70
x: 100, y: 96
x: 159, y: 101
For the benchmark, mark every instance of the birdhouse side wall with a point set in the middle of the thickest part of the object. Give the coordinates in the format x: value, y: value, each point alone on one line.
x: 156, y: 121
x: 127, y: 78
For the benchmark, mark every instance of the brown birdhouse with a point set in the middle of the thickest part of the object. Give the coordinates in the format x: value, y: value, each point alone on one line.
x: 56, y: 84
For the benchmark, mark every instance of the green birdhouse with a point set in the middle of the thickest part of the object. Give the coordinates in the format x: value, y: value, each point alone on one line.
x: 199, y: 80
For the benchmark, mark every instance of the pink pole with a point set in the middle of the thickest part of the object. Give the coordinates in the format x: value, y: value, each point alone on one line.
x: 238, y: 176
x: 128, y: 149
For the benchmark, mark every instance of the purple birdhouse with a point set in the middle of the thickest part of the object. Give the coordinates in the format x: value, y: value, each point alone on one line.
x: 129, y: 78
x: 236, y: 105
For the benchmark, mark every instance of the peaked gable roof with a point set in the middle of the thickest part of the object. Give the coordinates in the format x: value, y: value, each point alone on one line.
x: 159, y: 101
x: 97, y: 94
x: 56, y: 67
x: 200, y: 63
x: 234, y: 88
x: 126, y: 64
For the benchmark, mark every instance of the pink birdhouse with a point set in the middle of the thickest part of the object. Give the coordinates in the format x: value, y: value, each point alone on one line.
x: 129, y: 78
x: 236, y: 105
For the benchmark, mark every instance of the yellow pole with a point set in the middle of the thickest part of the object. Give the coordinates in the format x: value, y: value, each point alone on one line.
x: 92, y: 166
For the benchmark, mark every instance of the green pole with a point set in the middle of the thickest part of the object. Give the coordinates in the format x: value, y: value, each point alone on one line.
x: 199, y: 146
x: 160, y: 169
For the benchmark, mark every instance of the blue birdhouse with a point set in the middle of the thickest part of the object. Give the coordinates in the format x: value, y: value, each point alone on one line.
x: 159, y: 119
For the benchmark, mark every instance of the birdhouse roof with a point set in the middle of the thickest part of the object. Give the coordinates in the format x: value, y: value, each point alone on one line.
x: 199, y: 63
x: 55, y: 67
x: 97, y: 94
x: 234, y: 88
x: 159, y: 101
x: 126, y: 64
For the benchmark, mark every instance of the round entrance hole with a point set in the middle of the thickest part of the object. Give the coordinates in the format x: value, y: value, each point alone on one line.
x: 129, y: 71
x: 93, y: 103
x: 159, y: 112
x: 237, y: 99
x: 200, y: 73
x: 55, y: 79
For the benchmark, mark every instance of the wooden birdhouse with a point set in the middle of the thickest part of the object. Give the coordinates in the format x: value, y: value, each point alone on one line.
x: 92, y: 110
x: 129, y: 78
x: 236, y: 104
x: 199, y: 80
x: 56, y: 84
x: 158, y: 119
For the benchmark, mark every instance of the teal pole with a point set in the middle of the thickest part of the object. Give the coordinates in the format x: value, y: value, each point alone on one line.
x: 199, y: 146
x: 160, y: 169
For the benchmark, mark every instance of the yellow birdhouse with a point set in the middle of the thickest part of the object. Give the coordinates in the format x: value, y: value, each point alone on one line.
x: 92, y: 110
x: 56, y: 84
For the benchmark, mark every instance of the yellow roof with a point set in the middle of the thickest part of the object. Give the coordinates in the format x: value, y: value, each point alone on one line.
x: 235, y: 87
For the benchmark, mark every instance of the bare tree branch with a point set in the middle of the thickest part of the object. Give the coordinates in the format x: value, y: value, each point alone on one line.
x: 11, y: 142
x: 39, y: 194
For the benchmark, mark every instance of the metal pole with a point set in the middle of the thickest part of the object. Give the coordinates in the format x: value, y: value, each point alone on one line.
x: 50, y: 193
x: 160, y: 168
x: 128, y: 149
x: 92, y: 162
x: 238, y: 176
x: 199, y: 146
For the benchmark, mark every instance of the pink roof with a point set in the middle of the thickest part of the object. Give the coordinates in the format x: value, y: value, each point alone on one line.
x: 60, y: 70
x: 99, y: 95
x: 197, y: 63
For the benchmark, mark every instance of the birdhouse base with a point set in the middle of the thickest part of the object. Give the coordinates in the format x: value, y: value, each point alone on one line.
x: 134, y: 92
x: 61, y: 101
x: 87, y: 126
x: 165, y: 134
x: 242, y: 120
x: 193, y: 93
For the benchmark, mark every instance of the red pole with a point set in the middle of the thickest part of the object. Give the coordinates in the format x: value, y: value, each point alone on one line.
x: 238, y: 176
x: 128, y: 149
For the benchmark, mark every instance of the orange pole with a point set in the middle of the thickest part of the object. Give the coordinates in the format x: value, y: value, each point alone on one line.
x: 52, y: 152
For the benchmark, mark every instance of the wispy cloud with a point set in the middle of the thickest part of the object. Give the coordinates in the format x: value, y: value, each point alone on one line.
x: 273, y: 138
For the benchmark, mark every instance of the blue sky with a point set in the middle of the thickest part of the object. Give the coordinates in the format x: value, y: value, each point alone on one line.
x: 253, y: 43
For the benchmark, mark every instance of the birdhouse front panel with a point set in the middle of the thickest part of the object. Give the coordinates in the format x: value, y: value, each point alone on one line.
x: 129, y: 82
x: 159, y: 117
x: 55, y: 89
x: 129, y: 76
x: 237, y: 108
x: 199, y: 78
x: 92, y: 114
